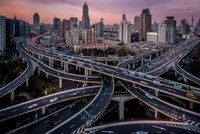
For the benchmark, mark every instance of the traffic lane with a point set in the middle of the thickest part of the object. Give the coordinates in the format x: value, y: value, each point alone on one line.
x: 40, y: 126
x: 149, y: 128
x: 82, y: 119
x: 176, y: 112
x: 164, y: 87
x: 9, y: 112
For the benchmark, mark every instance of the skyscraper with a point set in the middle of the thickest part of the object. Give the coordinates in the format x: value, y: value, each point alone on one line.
x: 74, y: 23
x: 9, y: 31
x: 171, y: 24
x: 125, y: 30
x: 99, y: 27
x: 85, y: 17
x: 137, y: 23
x: 2, y: 34
x: 183, y: 26
x: 162, y: 33
x: 64, y: 26
x: 36, y: 21
x: 56, y: 23
x: 145, y: 23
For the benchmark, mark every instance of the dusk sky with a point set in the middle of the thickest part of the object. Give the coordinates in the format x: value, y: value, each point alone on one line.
x: 109, y: 10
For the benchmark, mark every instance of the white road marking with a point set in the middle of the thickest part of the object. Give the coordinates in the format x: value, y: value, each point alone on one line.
x: 97, y: 105
x: 101, y: 99
x: 192, y: 123
x: 45, y: 100
x: 82, y: 118
x: 14, y: 110
x: 90, y: 111
x: 196, y: 124
x: 2, y: 114
x: 25, y: 107
x: 62, y: 96
x: 72, y: 125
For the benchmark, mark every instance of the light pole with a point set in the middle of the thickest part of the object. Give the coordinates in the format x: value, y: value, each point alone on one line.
x: 184, y: 112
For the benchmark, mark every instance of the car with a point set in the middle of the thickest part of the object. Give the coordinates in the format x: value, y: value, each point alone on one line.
x: 72, y: 105
x: 172, y: 91
x: 149, y: 96
x: 157, y: 83
x: 143, y: 82
x: 54, y: 99
x: 74, y: 94
x: 33, y: 105
x: 132, y: 76
x: 178, y: 86
x: 192, y: 96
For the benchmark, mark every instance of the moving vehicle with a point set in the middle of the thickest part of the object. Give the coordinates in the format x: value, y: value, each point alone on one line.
x: 192, y: 96
x: 178, y: 86
x: 149, y: 96
x: 54, y: 99
x: 33, y: 105
x: 151, y: 91
x: 72, y: 105
x: 157, y: 83
x: 74, y: 94
x: 143, y: 82
x: 172, y: 91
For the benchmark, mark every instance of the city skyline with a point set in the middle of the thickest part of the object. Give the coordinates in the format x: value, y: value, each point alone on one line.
x: 108, y: 9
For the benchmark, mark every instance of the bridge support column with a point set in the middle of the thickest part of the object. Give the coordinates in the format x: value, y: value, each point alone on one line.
x: 23, y: 61
x: 61, y: 64
x: 43, y: 110
x: 60, y: 83
x: 20, y: 56
x: 149, y: 57
x: 39, y: 58
x: 86, y: 72
x: 128, y: 66
x: 27, y: 82
x: 142, y: 62
x: 133, y: 65
x: 79, y: 69
x: 76, y: 68
x: 106, y: 62
x: 121, y: 110
x: 47, y: 75
x: 12, y: 95
x: 155, y: 114
x: 66, y: 67
x: 38, y: 72
x: 175, y: 74
x: 185, y: 79
x: 50, y: 62
x: 191, y: 105
x: 157, y: 54
x: 156, y: 93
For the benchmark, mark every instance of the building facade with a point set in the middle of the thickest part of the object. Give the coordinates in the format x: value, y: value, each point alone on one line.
x: 145, y: 24
x: 85, y: 17
x: 162, y: 34
x: 152, y: 37
x: 56, y: 23
x: 2, y: 34
x: 36, y: 21
x: 99, y: 27
x: 90, y: 36
x: 74, y: 23
x: 125, y: 30
x: 137, y: 24
x: 72, y: 37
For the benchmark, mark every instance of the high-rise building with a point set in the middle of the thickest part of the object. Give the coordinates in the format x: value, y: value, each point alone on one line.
x: 2, y: 34
x: 198, y: 24
x: 145, y: 24
x: 115, y: 27
x: 152, y: 37
x: 162, y: 34
x: 9, y: 31
x: 80, y: 25
x: 16, y: 27
x: 170, y: 35
x: 137, y: 24
x: 56, y: 23
x: 90, y: 36
x: 125, y: 30
x: 171, y: 24
x: 64, y: 26
x: 22, y: 28
x: 36, y: 21
x: 72, y: 37
x: 85, y: 17
x: 74, y: 22
x: 183, y: 26
x: 154, y: 27
x: 99, y: 27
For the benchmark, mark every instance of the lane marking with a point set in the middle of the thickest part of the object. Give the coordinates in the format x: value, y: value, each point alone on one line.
x: 72, y: 125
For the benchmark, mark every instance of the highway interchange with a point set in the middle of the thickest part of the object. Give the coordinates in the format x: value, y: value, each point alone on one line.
x: 106, y: 91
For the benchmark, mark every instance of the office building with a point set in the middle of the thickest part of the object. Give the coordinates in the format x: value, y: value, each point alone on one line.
x: 72, y: 37
x: 85, y: 17
x: 125, y: 30
x: 183, y: 26
x: 99, y: 27
x: 137, y: 24
x: 9, y: 31
x: 2, y: 34
x: 36, y: 21
x: 64, y: 26
x: 74, y: 23
x: 16, y: 27
x: 80, y: 25
x: 171, y: 34
x: 145, y: 24
x: 162, y: 34
x: 22, y: 28
x: 90, y: 36
x: 152, y: 37
x: 171, y: 24
x: 115, y: 27
x: 56, y: 23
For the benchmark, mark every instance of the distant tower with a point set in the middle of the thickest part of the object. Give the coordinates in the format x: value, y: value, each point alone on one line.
x: 15, y: 17
x: 85, y: 17
x: 36, y: 21
x: 192, y: 20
